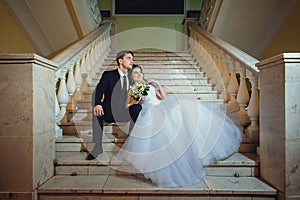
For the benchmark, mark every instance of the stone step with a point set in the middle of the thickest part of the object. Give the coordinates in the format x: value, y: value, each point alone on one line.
x: 179, y: 88
x: 206, y: 96
x: 137, y: 55
x: 198, y: 93
x: 69, y: 144
x: 157, y: 62
x: 114, y: 136
x: 160, y: 70
x: 189, y: 89
x: 68, y: 163
x: 68, y: 154
x: 173, y: 75
x: 161, y: 65
x: 154, y: 58
x: 85, y: 114
x: 131, y: 187
x: 169, y: 81
x: 83, y: 129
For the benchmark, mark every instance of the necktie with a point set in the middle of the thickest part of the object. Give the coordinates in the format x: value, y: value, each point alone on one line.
x: 125, y: 85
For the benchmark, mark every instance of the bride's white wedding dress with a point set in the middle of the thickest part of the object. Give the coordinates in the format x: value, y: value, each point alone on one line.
x: 173, y: 140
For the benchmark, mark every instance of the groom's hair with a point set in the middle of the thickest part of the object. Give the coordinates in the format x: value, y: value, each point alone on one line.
x: 121, y: 54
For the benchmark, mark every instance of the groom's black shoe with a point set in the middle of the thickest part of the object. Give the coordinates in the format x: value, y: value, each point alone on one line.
x: 95, y: 152
x: 90, y: 157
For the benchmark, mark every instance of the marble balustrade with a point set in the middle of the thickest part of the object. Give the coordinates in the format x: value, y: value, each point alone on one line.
x: 222, y: 63
x: 77, y: 68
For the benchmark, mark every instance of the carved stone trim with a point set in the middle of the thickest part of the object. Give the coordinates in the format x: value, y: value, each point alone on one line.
x: 95, y: 11
x: 209, y: 13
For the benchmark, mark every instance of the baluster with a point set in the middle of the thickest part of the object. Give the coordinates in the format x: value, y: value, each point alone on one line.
x: 84, y: 73
x: 192, y: 44
x: 226, y: 78
x: 87, y: 63
x: 71, y: 86
x: 107, y: 40
x: 212, y: 68
x: 207, y: 56
x: 101, y: 54
x: 88, y: 67
x: 78, y: 81
x: 78, y: 78
x: 102, y: 49
x: 62, y: 95
x: 215, y: 69
x: 209, y: 63
x: 243, y: 96
x: 93, y: 70
x: 97, y: 51
x: 233, y: 88
x: 220, y: 54
x: 58, y: 130
x: 253, y: 110
x: 193, y: 47
x: 93, y: 57
x: 198, y: 51
x: 218, y: 72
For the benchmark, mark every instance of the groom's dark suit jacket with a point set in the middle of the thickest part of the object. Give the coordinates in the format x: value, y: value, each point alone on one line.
x: 109, y: 93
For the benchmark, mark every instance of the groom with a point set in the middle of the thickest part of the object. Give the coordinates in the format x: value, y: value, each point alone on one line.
x: 109, y: 100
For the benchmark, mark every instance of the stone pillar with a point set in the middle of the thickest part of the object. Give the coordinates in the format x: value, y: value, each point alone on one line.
x: 27, y: 134
x: 280, y: 123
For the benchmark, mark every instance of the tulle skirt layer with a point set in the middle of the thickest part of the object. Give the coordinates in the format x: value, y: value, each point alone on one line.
x: 172, y: 142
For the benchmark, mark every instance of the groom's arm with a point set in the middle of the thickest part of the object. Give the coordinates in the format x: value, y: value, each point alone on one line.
x: 99, y: 93
x: 101, y: 88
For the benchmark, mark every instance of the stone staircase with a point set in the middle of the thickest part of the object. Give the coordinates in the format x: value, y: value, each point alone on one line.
x: 76, y: 178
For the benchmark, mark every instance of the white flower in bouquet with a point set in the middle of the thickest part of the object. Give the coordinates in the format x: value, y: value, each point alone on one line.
x: 138, y: 90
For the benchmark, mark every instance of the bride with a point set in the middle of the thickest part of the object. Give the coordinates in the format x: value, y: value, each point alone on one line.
x: 174, y: 137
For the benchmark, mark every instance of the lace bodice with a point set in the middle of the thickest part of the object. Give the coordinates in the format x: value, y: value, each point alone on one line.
x: 151, y: 98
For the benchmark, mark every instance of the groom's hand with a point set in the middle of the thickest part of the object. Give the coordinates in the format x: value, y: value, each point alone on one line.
x: 98, y: 110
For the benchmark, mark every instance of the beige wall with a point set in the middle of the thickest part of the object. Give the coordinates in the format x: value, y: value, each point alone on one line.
x: 165, y: 34
x: 168, y: 31
x: 288, y: 39
x: 12, y: 37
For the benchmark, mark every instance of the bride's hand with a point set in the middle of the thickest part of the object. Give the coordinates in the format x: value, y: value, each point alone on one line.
x: 132, y: 102
x: 142, y: 100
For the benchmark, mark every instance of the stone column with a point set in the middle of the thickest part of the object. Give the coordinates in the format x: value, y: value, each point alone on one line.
x: 27, y: 134
x: 280, y: 123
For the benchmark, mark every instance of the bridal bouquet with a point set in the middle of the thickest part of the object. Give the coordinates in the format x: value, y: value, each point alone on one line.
x: 138, y: 90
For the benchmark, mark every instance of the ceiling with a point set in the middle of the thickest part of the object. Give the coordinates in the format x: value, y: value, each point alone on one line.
x: 53, y: 25
x: 253, y: 25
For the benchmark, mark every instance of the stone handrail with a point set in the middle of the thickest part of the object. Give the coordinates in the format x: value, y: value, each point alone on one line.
x: 222, y: 62
x: 76, y: 67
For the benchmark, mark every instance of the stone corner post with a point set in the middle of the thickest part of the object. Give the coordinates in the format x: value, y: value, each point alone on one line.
x: 280, y: 123
x: 27, y: 135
